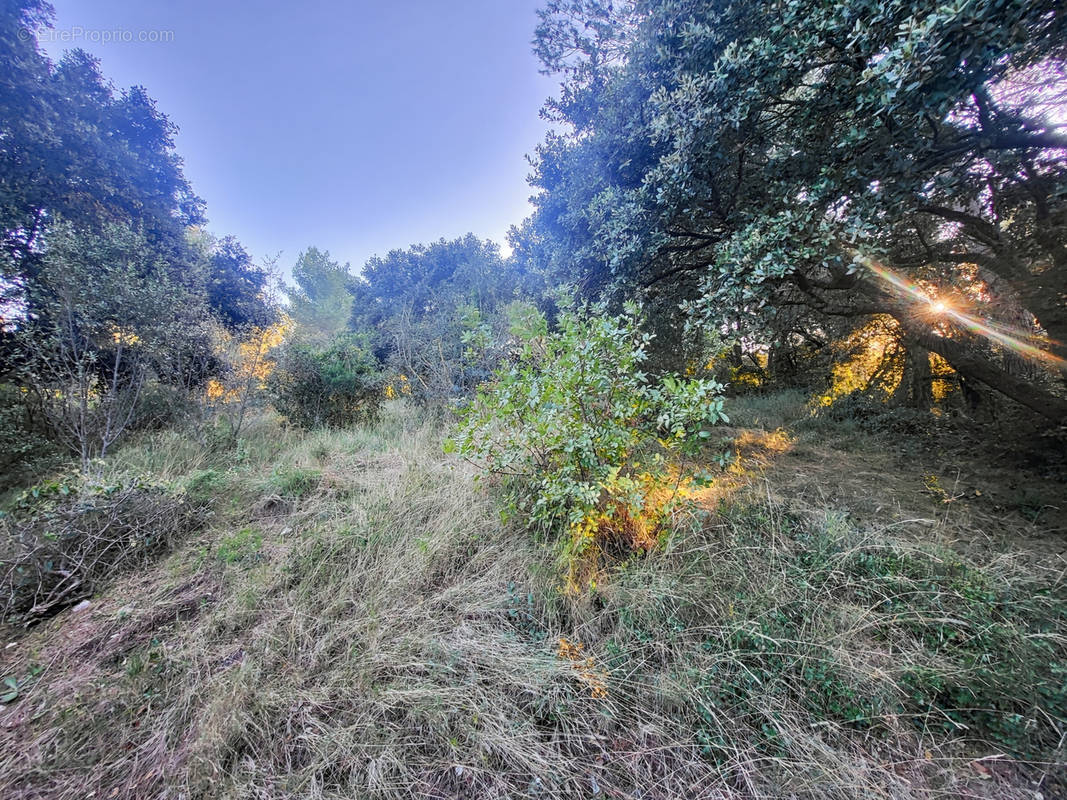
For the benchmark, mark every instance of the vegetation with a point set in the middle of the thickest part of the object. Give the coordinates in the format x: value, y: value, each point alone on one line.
x: 793, y: 170
x: 64, y: 539
x: 581, y: 435
x: 337, y: 386
x: 417, y: 305
x: 321, y: 302
x: 354, y: 599
x: 740, y: 477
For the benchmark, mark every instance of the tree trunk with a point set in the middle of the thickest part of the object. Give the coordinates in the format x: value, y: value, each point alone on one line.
x: 915, y: 389
x: 973, y: 367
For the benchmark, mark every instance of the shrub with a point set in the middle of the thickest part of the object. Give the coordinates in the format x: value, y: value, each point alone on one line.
x: 337, y: 386
x: 586, y: 442
x: 64, y: 538
x: 24, y: 443
x: 109, y: 316
x: 447, y: 356
x: 161, y: 407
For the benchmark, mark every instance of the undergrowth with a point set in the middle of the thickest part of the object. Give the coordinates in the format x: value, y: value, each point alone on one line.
x: 65, y: 538
x: 378, y: 632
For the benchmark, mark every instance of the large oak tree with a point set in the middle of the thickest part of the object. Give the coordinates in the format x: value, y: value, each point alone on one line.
x: 778, y: 165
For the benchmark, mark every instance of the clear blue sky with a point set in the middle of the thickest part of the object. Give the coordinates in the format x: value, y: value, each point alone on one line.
x: 354, y: 126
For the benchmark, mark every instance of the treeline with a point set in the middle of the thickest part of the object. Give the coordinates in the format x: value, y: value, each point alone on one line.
x: 432, y: 317
x: 120, y: 313
x: 865, y: 199
x: 113, y: 300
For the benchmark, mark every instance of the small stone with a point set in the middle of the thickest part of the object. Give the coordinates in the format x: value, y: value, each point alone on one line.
x: 82, y: 606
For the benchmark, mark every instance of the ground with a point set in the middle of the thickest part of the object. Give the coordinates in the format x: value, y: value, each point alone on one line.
x: 853, y: 609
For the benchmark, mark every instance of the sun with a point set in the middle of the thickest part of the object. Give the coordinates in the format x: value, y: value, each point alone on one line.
x: 938, y: 306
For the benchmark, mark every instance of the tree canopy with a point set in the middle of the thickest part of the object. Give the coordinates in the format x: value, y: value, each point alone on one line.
x: 416, y: 305
x: 73, y: 148
x: 320, y: 303
x: 779, y: 166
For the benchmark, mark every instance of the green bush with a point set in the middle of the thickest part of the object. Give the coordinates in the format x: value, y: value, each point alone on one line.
x: 585, y: 441
x: 25, y: 447
x: 338, y: 386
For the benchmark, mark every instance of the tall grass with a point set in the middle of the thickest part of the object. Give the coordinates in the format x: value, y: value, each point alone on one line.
x: 359, y: 623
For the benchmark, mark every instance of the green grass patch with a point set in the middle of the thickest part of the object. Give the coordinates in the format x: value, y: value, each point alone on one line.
x: 295, y: 483
x: 241, y: 547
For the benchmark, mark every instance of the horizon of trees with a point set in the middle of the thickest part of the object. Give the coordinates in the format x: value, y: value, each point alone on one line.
x: 857, y: 198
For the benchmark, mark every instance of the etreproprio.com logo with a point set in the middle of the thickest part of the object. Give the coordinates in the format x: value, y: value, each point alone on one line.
x: 80, y: 35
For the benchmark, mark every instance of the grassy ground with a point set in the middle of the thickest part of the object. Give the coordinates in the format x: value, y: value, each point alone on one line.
x: 843, y: 615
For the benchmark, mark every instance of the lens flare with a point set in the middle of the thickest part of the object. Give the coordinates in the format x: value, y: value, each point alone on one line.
x: 1003, y: 335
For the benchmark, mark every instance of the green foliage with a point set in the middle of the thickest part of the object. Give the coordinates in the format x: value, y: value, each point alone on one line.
x: 738, y: 157
x: 242, y: 546
x: 74, y: 148
x: 994, y: 666
x: 321, y: 303
x: 336, y: 386
x: 416, y: 307
x: 294, y: 482
x: 109, y: 319
x: 108, y: 288
x: 13, y: 687
x: 584, y: 439
x: 772, y: 626
x: 205, y: 484
x: 25, y: 447
x: 237, y: 290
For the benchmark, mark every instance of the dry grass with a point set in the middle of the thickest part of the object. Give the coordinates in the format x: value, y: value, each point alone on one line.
x: 358, y: 623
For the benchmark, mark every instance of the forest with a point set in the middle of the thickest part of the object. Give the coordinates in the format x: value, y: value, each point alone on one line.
x: 740, y: 472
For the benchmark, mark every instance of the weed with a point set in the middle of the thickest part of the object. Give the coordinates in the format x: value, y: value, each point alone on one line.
x: 14, y: 687
x: 295, y: 482
x: 242, y: 546
x: 206, y: 484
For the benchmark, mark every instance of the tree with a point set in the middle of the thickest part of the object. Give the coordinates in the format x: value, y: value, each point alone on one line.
x: 416, y: 305
x: 320, y: 303
x: 73, y: 149
x: 107, y: 315
x: 238, y: 291
x: 781, y: 165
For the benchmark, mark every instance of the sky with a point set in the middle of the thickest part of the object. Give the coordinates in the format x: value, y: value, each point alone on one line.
x: 357, y: 127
